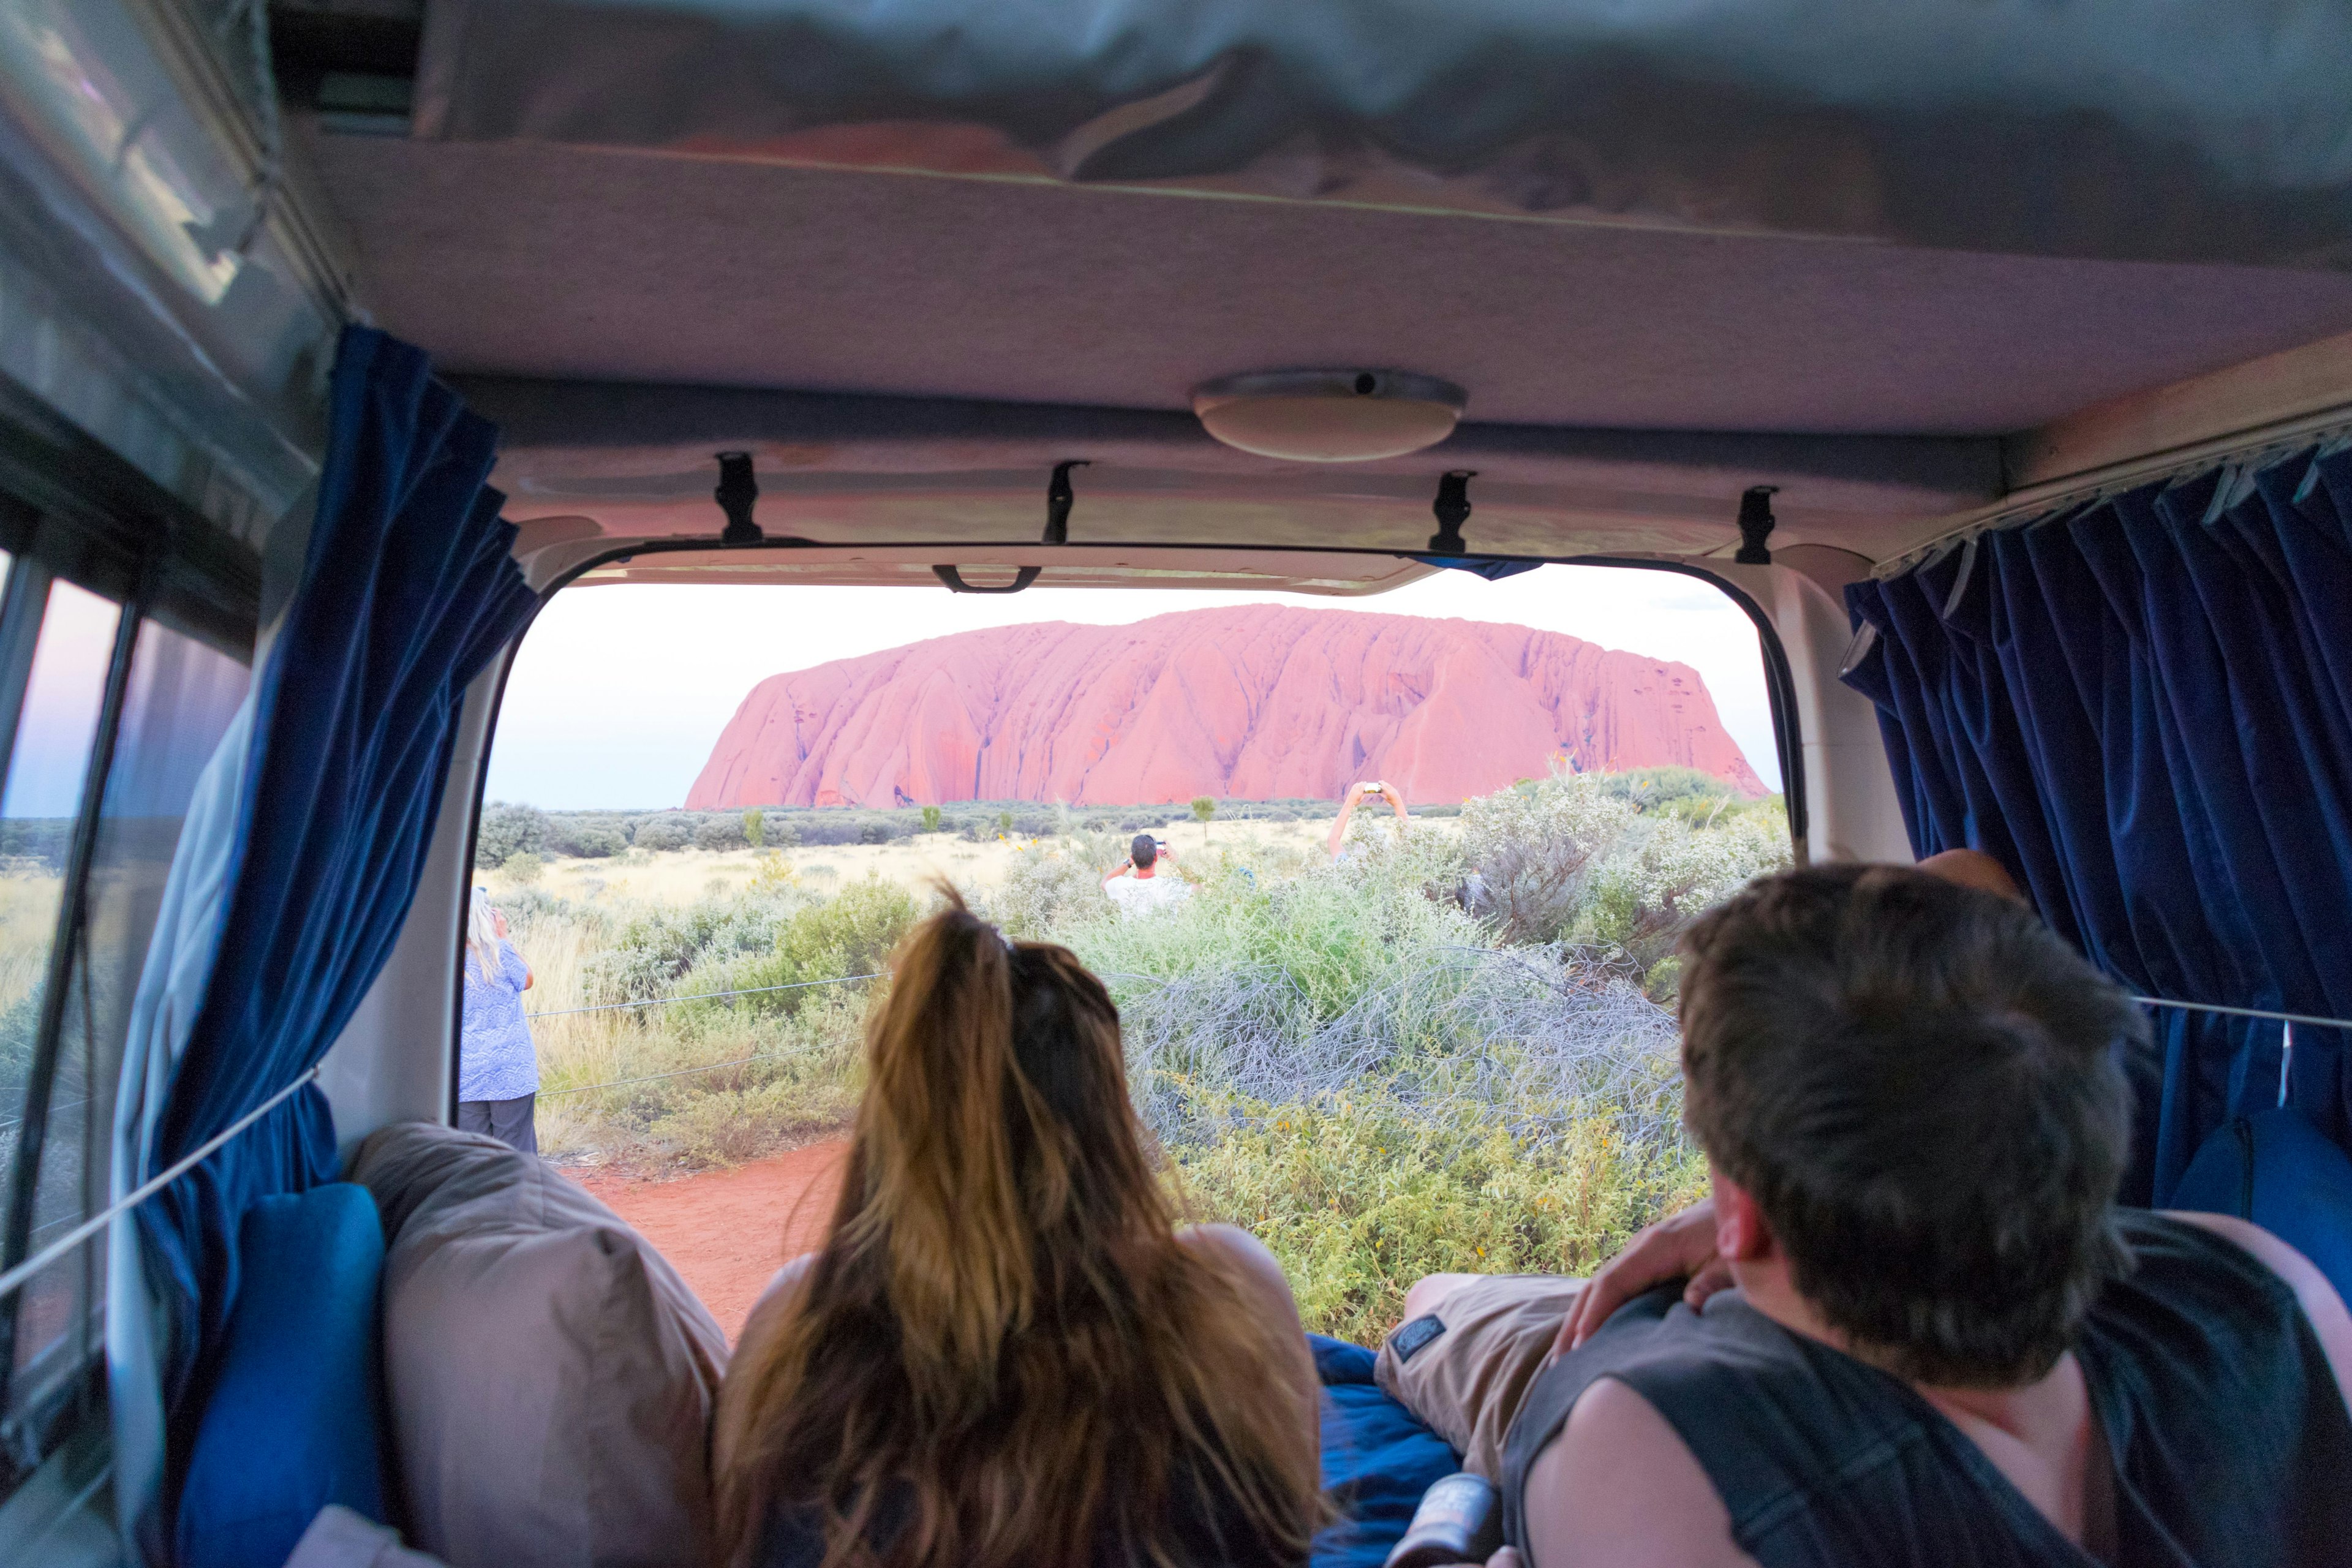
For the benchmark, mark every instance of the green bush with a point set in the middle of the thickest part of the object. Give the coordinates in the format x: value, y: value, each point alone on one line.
x: 755, y: 828
x: 506, y: 830
x: 1358, y: 1199
x: 930, y: 819
x: 524, y: 867
x: 670, y: 830
x: 720, y: 831
x: 588, y: 837
x: 852, y: 933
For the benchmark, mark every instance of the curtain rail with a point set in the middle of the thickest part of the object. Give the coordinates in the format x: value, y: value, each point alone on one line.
x: 16, y: 1277
x: 2022, y: 509
x: 2314, y: 1019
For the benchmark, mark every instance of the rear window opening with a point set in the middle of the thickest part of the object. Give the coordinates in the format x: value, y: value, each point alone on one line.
x: 1435, y: 1035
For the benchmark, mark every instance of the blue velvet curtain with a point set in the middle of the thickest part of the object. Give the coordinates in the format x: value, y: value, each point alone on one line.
x: 2144, y: 708
x: 407, y: 591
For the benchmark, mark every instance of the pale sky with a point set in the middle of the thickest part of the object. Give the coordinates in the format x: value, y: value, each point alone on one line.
x: 619, y: 693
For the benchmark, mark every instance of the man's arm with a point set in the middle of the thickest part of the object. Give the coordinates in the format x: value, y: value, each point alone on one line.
x: 1618, y: 1489
x: 2321, y: 1304
x: 1116, y: 872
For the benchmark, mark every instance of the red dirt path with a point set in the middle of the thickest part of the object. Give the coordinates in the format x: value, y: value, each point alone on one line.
x: 727, y: 1231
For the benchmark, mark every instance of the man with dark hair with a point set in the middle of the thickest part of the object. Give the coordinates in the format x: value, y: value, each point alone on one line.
x: 1139, y: 884
x: 1910, y: 1325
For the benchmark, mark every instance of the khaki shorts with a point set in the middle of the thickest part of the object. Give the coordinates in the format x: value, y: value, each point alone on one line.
x: 1466, y: 1379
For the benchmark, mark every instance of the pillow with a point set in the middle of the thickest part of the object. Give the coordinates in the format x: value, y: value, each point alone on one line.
x: 338, y: 1538
x: 2280, y: 1171
x: 294, y: 1418
x: 552, y: 1378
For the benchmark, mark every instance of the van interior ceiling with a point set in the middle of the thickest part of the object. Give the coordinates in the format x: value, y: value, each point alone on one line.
x: 1829, y: 307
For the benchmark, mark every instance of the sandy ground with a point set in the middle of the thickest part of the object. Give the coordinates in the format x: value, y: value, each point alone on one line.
x: 727, y: 1231
x: 683, y: 876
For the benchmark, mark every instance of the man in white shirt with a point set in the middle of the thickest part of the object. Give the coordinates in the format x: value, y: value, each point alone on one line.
x: 1137, y: 885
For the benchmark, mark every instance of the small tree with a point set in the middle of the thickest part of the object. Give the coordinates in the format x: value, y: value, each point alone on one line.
x: 755, y: 826
x: 1204, y: 808
x: 930, y: 819
x: 508, y: 830
x: 1005, y: 821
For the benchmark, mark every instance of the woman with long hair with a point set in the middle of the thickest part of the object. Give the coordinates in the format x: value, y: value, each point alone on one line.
x: 1007, y: 1353
x: 497, y: 1067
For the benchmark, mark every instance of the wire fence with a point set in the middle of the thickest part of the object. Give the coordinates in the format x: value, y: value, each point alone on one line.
x: 699, y: 996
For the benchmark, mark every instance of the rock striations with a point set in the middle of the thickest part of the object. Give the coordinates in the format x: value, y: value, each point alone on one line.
x: 1251, y: 703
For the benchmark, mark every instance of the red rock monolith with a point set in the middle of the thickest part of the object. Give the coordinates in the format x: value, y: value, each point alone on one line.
x: 1256, y: 703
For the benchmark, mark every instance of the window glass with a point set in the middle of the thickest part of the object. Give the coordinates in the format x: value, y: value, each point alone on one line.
x: 59, y: 719
x: 179, y: 700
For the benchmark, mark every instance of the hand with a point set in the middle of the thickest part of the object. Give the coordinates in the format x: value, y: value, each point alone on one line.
x: 1679, y: 1247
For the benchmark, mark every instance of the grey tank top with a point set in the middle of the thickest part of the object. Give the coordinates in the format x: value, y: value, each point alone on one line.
x: 2231, y: 1441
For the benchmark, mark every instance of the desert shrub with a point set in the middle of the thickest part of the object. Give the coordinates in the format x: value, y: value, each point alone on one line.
x: 755, y: 826
x: 1358, y: 1198
x: 874, y: 830
x: 1657, y: 789
x: 829, y: 828
x: 654, y: 947
x: 506, y: 830
x: 42, y: 840
x: 588, y: 837
x: 1049, y: 884
x: 721, y: 830
x: 930, y: 819
x: 523, y: 866
x: 670, y: 830
x: 852, y: 933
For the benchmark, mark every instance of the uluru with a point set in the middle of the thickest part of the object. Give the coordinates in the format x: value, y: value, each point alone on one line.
x: 1254, y: 702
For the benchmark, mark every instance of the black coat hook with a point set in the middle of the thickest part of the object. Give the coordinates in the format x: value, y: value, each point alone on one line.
x: 1059, y: 497
x: 1452, y: 510
x: 956, y: 585
x: 1755, y: 525
x: 738, y: 490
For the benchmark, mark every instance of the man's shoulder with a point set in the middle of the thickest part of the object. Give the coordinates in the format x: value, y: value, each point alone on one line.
x: 1619, y: 1486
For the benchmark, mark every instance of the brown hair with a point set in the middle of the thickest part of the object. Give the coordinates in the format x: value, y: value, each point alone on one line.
x: 1005, y: 1354
x: 1917, y: 1083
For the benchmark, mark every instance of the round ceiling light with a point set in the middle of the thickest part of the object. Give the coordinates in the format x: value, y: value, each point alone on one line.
x: 1328, y: 415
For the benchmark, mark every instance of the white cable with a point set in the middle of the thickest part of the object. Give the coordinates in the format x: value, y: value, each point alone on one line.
x: 16, y: 1277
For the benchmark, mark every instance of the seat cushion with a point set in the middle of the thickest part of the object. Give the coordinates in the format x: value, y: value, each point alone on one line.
x: 552, y: 1378
x: 1378, y: 1459
x: 2275, y: 1169
x: 294, y: 1416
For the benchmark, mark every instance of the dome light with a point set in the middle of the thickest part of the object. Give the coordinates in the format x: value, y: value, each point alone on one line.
x: 1328, y: 415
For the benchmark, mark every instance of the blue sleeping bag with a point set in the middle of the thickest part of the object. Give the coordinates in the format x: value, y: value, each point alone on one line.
x: 1378, y: 1459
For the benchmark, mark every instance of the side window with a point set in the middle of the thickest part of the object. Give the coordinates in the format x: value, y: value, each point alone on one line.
x: 116, y: 719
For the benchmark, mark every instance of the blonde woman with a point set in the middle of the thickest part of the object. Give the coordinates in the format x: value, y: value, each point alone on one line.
x: 498, y: 1068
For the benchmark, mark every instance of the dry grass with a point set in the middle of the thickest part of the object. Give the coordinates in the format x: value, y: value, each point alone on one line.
x: 28, y: 924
